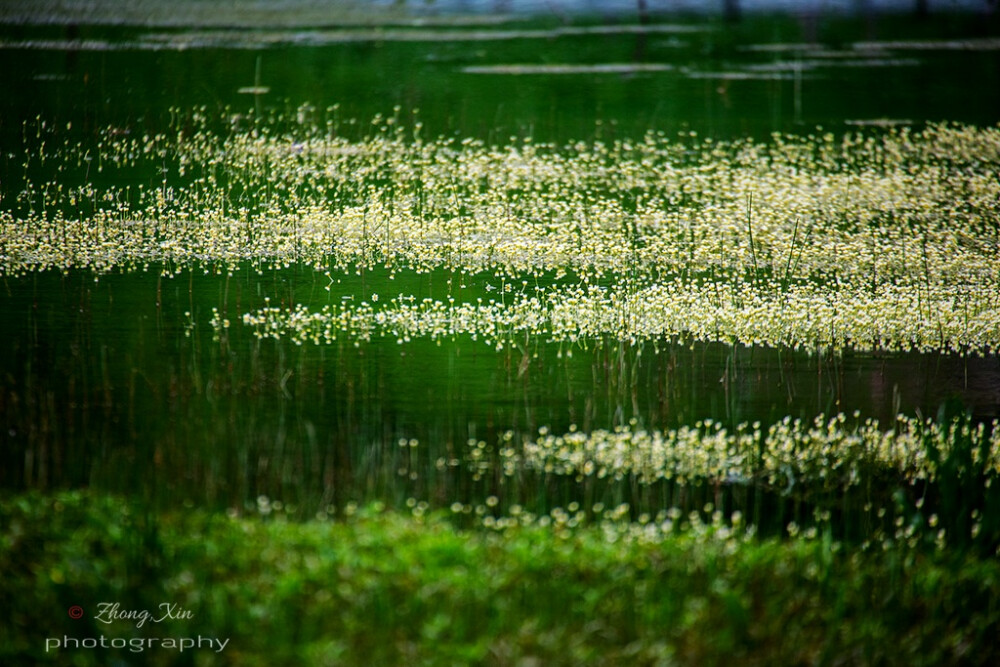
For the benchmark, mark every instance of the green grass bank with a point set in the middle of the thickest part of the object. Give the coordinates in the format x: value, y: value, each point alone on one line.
x: 377, y: 587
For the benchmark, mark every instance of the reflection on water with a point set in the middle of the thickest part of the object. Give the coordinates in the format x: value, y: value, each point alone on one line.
x: 557, y: 68
x: 309, y: 12
x: 118, y: 384
x: 781, y: 74
x: 260, y: 39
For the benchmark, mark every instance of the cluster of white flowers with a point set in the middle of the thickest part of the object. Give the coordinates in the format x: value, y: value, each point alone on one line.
x: 948, y: 318
x: 837, y: 451
x: 877, y: 239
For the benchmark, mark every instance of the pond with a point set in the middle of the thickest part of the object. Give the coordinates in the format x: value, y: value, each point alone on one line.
x: 172, y: 195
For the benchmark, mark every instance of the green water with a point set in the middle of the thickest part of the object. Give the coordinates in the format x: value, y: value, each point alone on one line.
x: 120, y: 384
x: 718, y: 79
x: 102, y: 388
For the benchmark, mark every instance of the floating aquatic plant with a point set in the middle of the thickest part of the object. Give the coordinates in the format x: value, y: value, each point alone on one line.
x: 871, y: 240
x: 840, y: 451
x: 808, y: 317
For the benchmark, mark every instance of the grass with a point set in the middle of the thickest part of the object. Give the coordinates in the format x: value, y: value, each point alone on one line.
x: 377, y: 587
x: 909, y: 578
